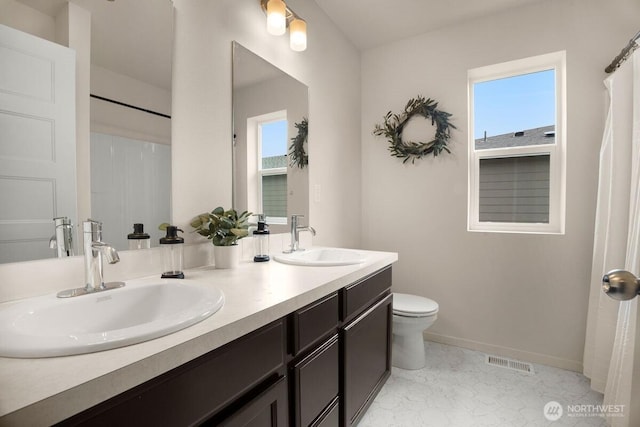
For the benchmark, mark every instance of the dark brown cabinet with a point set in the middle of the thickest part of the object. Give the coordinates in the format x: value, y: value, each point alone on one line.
x: 314, y: 370
x: 208, y: 389
x: 320, y: 366
x: 366, y: 358
x: 352, y: 366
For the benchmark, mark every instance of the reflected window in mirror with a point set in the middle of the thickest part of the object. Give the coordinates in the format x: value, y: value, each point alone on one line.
x: 261, y: 91
x: 272, y: 163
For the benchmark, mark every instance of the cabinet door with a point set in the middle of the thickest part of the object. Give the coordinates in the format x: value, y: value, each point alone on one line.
x: 366, y: 359
x: 315, y: 382
x: 269, y: 409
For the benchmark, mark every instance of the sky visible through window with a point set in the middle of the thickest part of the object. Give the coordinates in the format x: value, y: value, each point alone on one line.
x: 274, y: 138
x: 513, y: 104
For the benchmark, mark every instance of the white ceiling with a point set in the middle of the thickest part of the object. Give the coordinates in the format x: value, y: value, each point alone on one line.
x: 134, y: 37
x: 370, y: 23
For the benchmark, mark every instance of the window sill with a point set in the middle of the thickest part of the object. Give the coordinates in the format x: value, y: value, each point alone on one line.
x: 516, y: 228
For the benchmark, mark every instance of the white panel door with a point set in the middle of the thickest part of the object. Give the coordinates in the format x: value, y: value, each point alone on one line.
x: 37, y: 143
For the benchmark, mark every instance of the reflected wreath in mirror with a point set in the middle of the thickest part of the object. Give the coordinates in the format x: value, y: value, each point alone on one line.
x: 297, y: 153
x: 409, y: 150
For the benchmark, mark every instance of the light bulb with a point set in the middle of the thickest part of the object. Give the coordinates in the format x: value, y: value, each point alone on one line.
x: 298, y: 35
x: 276, y: 17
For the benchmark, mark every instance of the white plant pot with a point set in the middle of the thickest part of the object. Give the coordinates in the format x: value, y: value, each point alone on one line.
x: 226, y: 256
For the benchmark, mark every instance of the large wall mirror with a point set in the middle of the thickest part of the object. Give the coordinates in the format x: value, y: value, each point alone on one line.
x: 270, y: 114
x: 130, y: 124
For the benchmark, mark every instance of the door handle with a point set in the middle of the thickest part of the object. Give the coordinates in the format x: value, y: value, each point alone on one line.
x: 620, y: 285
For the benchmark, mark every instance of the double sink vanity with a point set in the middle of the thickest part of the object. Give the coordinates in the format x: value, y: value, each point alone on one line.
x: 304, y: 341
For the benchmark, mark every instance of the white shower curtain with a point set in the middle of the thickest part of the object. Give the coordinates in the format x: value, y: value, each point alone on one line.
x: 611, y: 325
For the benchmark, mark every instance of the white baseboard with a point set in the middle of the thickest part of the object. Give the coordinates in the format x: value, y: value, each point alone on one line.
x: 525, y: 356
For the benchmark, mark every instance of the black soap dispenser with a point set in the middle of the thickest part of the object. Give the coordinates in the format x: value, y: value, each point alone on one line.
x: 261, y: 240
x: 172, y: 254
x: 139, y: 239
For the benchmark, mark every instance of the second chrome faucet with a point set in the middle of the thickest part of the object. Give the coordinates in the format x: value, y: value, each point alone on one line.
x: 295, y: 234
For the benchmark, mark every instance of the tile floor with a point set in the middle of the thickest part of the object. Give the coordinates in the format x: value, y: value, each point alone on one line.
x: 458, y: 389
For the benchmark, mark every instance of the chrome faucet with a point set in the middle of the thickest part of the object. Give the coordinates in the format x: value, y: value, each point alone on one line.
x: 62, y: 241
x: 295, y: 234
x: 94, y: 250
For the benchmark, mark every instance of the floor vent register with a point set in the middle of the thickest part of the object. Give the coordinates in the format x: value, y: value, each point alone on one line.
x: 514, y: 365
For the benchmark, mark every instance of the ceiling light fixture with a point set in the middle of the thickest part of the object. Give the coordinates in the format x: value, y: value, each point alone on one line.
x: 279, y: 17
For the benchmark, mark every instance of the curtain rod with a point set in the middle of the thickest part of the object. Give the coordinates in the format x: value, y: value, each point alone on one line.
x: 623, y: 55
x: 102, y: 98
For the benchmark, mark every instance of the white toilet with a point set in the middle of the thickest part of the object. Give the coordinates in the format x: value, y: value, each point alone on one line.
x: 412, y: 314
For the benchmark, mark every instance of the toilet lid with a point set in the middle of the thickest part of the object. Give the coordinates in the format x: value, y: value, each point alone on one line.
x: 413, y: 305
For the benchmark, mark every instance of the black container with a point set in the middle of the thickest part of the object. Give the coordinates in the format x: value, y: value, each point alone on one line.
x: 139, y: 239
x: 172, y: 254
x: 261, y: 240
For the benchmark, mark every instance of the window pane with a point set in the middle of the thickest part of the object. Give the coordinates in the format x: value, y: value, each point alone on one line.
x: 274, y: 195
x: 514, y: 189
x: 274, y: 162
x: 515, y: 111
x: 536, y: 136
x: 274, y: 144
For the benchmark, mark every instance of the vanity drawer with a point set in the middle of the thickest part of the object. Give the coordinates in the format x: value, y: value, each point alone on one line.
x: 199, y: 389
x: 360, y: 295
x: 314, y: 322
x: 315, y: 382
x: 268, y: 409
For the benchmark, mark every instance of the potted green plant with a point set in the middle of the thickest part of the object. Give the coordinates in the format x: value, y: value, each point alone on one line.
x: 224, y: 228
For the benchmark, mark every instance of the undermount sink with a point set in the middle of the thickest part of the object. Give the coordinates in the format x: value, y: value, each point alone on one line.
x: 48, y: 326
x: 322, y: 257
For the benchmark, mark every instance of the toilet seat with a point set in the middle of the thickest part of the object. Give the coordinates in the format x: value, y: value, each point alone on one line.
x: 406, y: 305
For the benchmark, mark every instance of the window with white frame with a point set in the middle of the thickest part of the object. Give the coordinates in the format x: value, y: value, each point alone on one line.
x: 517, y: 146
x: 272, y: 168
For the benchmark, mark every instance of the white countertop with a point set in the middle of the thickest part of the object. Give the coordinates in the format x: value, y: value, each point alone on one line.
x: 48, y: 390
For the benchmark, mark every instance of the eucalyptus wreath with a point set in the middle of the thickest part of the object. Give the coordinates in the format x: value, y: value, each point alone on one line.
x: 409, y: 150
x: 297, y: 153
